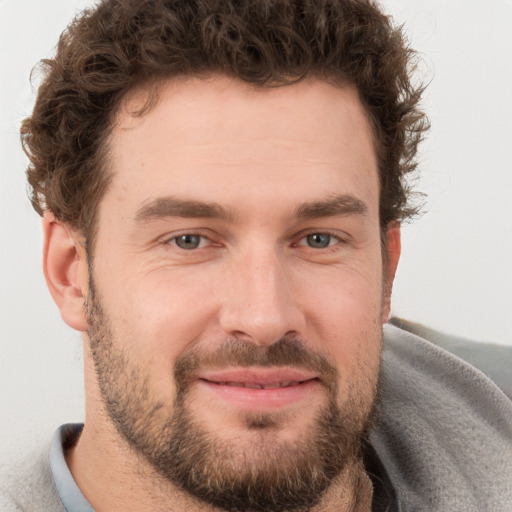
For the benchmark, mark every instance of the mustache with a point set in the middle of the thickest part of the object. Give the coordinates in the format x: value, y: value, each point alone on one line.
x: 289, y: 352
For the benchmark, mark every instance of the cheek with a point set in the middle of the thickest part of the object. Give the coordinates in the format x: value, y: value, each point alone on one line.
x: 344, y: 316
x: 351, y: 330
x: 162, y: 312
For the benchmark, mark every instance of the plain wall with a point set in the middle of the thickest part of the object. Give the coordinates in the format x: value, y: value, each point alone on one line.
x: 455, y: 273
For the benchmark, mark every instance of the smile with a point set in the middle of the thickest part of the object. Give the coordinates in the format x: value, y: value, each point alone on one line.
x: 255, y: 385
x: 260, y: 389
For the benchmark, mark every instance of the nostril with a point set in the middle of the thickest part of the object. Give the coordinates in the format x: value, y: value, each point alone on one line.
x: 261, y: 324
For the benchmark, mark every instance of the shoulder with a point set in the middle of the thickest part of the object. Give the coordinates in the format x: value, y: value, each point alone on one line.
x: 28, y: 485
x: 443, y: 429
x: 493, y: 360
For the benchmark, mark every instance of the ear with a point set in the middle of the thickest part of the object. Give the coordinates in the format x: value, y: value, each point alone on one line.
x: 65, y: 270
x: 393, y: 249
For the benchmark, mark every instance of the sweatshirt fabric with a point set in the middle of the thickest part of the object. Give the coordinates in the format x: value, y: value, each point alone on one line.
x: 442, y: 433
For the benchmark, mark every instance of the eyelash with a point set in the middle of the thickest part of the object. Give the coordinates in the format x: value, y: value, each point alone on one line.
x: 338, y: 240
x: 331, y: 247
x: 173, y: 240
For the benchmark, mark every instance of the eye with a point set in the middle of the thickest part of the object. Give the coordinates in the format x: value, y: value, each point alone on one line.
x: 320, y: 240
x: 189, y: 241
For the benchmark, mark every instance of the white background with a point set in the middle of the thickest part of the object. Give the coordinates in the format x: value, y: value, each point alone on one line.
x: 456, y: 269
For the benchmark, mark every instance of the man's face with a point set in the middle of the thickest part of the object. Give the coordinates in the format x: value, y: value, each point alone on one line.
x: 236, y: 301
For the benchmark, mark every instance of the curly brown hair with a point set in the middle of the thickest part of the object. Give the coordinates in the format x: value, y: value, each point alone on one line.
x: 121, y: 44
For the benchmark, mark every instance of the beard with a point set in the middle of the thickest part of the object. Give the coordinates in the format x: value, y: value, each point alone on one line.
x: 255, y: 471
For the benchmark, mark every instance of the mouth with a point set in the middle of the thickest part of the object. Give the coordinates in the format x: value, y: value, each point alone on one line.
x: 260, y: 389
x: 258, y: 385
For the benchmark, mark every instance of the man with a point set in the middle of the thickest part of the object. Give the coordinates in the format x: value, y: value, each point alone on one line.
x: 222, y: 185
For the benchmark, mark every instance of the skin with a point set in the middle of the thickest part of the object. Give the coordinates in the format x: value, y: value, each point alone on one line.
x: 264, y: 157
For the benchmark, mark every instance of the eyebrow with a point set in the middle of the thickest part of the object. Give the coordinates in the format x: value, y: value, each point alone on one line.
x: 172, y: 207
x: 339, y: 205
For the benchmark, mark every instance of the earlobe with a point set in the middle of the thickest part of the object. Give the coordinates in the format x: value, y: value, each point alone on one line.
x: 65, y: 270
x: 393, y: 249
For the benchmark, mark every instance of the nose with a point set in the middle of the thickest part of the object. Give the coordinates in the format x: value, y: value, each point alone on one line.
x: 260, y: 304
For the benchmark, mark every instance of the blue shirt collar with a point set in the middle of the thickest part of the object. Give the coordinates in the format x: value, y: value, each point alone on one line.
x: 70, y: 495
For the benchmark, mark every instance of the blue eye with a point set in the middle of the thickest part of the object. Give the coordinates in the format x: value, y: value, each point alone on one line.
x: 319, y: 240
x: 188, y: 242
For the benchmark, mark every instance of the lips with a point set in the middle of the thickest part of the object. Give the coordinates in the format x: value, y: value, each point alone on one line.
x: 259, y: 389
x: 262, y: 378
x: 256, y: 385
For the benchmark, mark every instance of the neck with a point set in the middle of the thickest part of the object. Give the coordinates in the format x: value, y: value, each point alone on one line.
x: 352, y: 492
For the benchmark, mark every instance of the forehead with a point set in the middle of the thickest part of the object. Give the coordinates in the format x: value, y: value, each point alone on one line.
x: 221, y: 135
x: 217, y: 95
